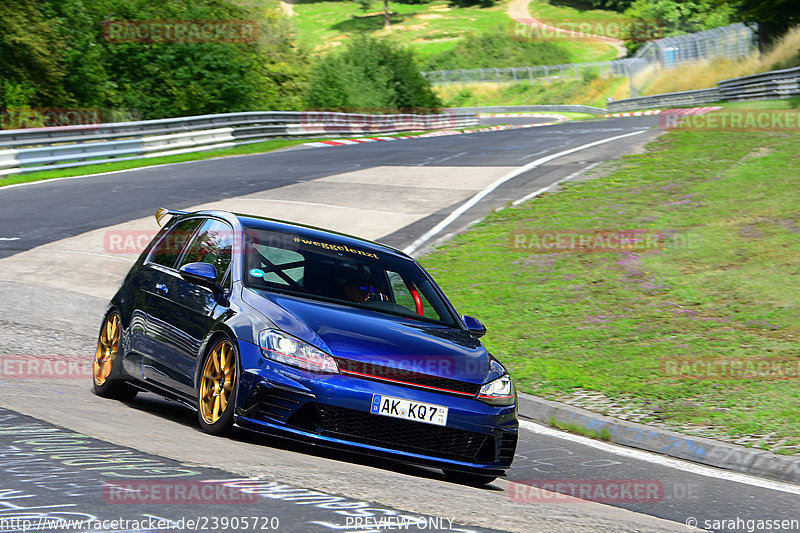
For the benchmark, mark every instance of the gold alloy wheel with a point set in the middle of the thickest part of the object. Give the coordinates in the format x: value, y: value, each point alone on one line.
x: 107, y: 347
x: 216, y: 386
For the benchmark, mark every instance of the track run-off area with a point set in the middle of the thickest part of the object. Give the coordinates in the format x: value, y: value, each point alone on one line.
x: 66, y: 244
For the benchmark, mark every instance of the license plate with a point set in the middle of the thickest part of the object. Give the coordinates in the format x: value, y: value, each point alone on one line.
x: 400, y: 408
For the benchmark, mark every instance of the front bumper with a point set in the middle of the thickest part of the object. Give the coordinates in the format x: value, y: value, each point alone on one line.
x: 334, y: 410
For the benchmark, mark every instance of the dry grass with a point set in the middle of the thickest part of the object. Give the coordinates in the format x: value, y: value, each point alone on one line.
x: 705, y: 74
x: 701, y: 75
x: 591, y: 93
x: 785, y: 54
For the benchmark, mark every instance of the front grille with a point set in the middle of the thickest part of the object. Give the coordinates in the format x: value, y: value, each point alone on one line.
x: 405, y: 435
x: 408, y: 377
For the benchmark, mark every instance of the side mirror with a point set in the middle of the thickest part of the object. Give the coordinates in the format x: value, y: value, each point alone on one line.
x: 200, y: 273
x: 474, y: 326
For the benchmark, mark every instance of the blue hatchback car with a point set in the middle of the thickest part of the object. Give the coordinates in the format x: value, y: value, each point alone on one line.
x: 288, y: 329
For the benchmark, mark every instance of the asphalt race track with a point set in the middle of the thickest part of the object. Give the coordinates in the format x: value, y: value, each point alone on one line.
x: 60, y: 446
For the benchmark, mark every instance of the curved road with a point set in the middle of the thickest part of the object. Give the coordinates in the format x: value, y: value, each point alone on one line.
x: 54, y: 292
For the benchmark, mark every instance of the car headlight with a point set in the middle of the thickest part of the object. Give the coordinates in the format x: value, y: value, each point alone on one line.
x: 498, y: 392
x: 284, y: 348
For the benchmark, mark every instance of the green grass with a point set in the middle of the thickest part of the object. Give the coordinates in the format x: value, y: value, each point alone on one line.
x: 429, y: 29
x: 570, y: 14
x: 605, y: 321
x: 603, y: 434
x: 788, y: 103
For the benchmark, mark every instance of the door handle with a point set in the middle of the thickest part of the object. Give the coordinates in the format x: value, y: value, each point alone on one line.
x: 162, y: 288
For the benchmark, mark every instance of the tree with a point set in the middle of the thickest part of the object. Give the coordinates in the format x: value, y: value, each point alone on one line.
x: 370, y: 75
x: 55, y: 53
x: 774, y: 17
x: 30, y: 57
x: 679, y: 17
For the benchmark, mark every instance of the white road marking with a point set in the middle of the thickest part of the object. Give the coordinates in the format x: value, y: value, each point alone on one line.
x: 511, y: 175
x: 9, y: 238
x: 663, y: 460
x: 552, y: 185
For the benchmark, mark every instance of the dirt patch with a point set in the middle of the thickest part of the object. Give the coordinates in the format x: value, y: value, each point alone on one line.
x: 760, y: 152
x: 429, y: 16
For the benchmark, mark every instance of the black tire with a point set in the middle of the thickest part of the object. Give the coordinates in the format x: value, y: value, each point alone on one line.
x: 217, y: 383
x: 106, y: 368
x: 467, y: 478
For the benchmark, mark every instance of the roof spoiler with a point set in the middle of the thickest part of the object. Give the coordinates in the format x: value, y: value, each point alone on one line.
x: 163, y: 212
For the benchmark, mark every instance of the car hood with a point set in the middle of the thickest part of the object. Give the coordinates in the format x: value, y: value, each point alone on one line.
x: 376, y: 340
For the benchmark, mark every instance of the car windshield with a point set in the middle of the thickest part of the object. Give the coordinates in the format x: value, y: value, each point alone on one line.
x: 325, y: 270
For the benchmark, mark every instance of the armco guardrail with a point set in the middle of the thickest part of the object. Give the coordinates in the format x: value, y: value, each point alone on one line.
x: 29, y: 150
x: 775, y: 84
x: 685, y: 98
x: 530, y: 109
x: 769, y: 85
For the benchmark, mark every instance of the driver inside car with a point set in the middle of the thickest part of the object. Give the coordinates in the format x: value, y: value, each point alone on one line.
x: 358, y: 287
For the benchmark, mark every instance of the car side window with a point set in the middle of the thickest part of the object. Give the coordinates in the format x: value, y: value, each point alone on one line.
x: 169, y: 248
x: 214, y: 245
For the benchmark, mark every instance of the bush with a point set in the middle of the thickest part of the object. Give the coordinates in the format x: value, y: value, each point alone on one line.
x: 370, y: 75
x: 497, y: 49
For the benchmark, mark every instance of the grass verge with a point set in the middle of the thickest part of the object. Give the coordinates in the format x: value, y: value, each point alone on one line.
x: 607, y: 322
x: 584, y: 92
x: 575, y: 15
x: 603, y: 434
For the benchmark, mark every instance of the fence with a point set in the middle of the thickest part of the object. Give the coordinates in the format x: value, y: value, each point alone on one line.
x: 571, y: 71
x: 29, y: 150
x: 734, y: 42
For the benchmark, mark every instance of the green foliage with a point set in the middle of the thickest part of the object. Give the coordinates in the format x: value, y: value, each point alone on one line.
x: 497, y: 49
x: 774, y: 17
x: 369, y: 75
x: 679, y: 17
x: 611, y: 5
x: 58, y: 48
x: 30, y: 59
